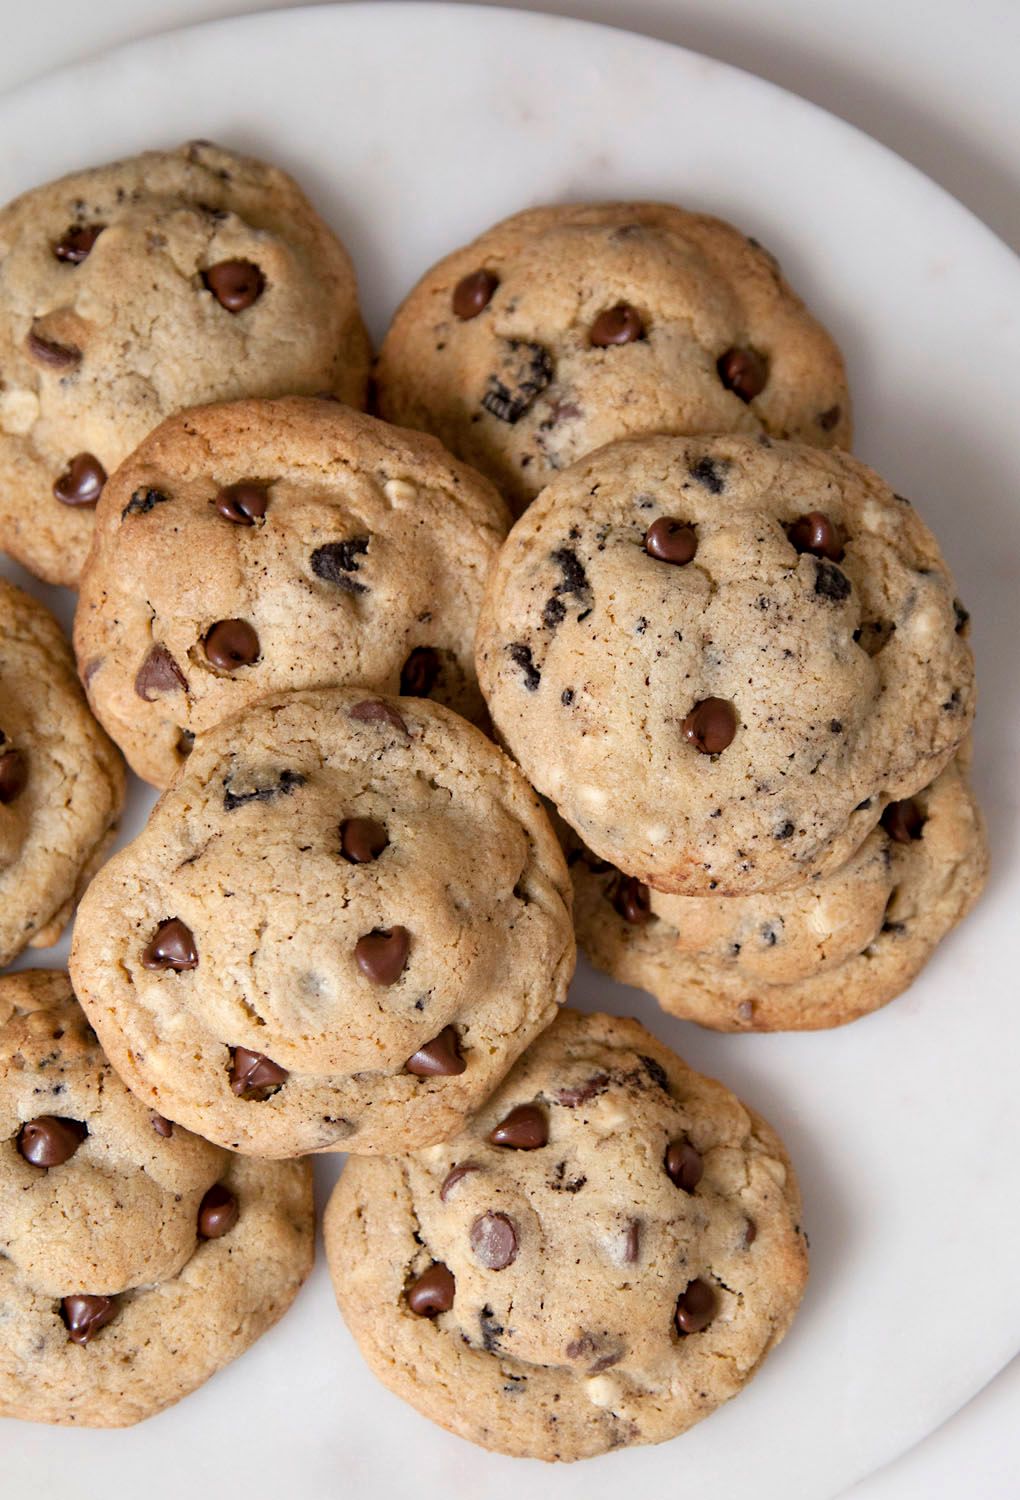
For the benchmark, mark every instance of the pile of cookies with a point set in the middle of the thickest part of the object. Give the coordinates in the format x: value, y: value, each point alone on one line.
x: 704, y: 705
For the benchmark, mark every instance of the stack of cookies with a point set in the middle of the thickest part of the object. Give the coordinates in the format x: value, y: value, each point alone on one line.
x: 733, y: 692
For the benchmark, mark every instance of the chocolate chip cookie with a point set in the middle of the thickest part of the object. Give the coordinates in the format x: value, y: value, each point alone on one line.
x: 344, y: 921
x: 61, y: 781
x: 257, y: 546
x: 567, y: 327
x: 135, y: 1259
x: 819, y: 954
x: 134, y: 289
x: 605, y: 1254
x: 722, y: 657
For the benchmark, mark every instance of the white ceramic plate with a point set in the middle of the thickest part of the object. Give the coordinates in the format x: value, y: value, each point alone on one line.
x: 414, y: 126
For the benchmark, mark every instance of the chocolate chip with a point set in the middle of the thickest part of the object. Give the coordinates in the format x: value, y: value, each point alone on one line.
x: 709, y: 473
x: 520, y: 655
x: 744, y: 372
x: 142, y: 501
x: 525, y: 1128
x: 420, y: 673
x: 235, y: 284
x: 831, y: 582
x: 828, y: 419
x: 750, y: 1233
x: 439, y: 1058
x: 710, y: 725
x: 433, y: 1291
x: 49, y: 1140
x: 159, y: 673
x: 621, y: 324
x: 336, y: 561
x: 381, y: 955
x: 684, y: 1165
x: 13, y: 775
x: 161, y: 1125
x: 473, y: 293
x: 172, y: 947
x: 671, y: 541
x: 372, y: 711
x: 581, y: 1093
x: 525, y: 372
x: 231, y: 643
x: 81, y: 482
x: 903, y: 821
x: 633, y: 900
x: 362, y: 840
x: 962, y: 616
x: 284, y: 784
x: 454, y: 1176
x: 695, y: 1309
x: 494, y: 1241
x: 632, y: 1242
x: 243, y: 503
x: 84, y: 1315
x: 49, y: 352
x: 217, y: 1213
x: 253, y: 1075
x: 75, y: 243
x: 816, y: 533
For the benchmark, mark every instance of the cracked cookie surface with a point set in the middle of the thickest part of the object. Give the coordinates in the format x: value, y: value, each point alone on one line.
x: 819, y: 954
x: 721, y: 657
x: 604, y: 1255
x: 349, y: 550
x: 137, y: 1259
x: 566, y: 327
x: 343, y: 922
x: 61, y: 781
x: 132, y: 290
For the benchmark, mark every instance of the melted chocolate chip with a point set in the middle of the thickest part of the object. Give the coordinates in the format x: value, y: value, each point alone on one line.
x: 336, y: 561
x: 621, y: 324
x: 243, y: 503
x: 420, y: 673
x: 816, y: 533
x: 750, y: 1233
x: 284, y: 784
x: 828, y: 419
x: 172, y: 947
x: 230, y: 644
x: 253, y: 1075
x: 13, y: 775
x: 50, y: 1140
x: 217, y: 1213
x: 439, y: 1058
x: 525, y: 1128
x: 831, y: 582
x: 362, y: 840
x: 161, y: 1125
x: 581, y: 1093
x: 454, y: 1176
x: 382, y: 955
x: 82, y: 481
x: 473, y: 293
x: 695, y: 1308
x: 632, y: 1242
x: 494, y: 1241
x: 525, y: 372
x: 684, y: 1165
x: 433, y: 1292
x: 671, y: 541
x: 633, y: 900
x: 142, y: 501
x: 903, y: 821
x: 744, y: 372
x: 76, y: 242
x: 159, y: 673
x: 710, y: 725
x: 372, y: 711
x: 49, y: 352
x: 84, y: 1315
x: 520, y: 655
x: 235, y: 284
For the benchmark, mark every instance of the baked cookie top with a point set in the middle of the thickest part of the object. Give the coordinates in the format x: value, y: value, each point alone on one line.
x: 61, y: 781
x: 343, y: 922
x: 136, y: 1259
x: 566, y: 327
x: 721, y: 657
x: 131, y: 290
x: 817, y: 954
x: 256, y: 546
x: 605, y: 1254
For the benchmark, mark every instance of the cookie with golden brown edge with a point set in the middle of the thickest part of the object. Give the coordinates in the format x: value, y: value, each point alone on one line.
x: 253, y: 547
x: 344, y: 920
x: 135, y: 1259
x: 61, y: 781
x: 131, y: 290
x: 567, y: 327
x: 721, y: 657
x: 605, y: 1254
x: 815, y: 955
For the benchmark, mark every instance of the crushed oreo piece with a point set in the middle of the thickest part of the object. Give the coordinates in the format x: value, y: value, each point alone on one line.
x: 831, y: 582
x: 286, y: 782
x: 710, y: 474
x: 525, y: 371
x: 336, y: 561
x: 520, y: 655
x: 142, y: 501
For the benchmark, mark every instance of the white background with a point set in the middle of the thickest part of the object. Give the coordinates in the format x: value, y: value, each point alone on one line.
x: 936, y: 80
